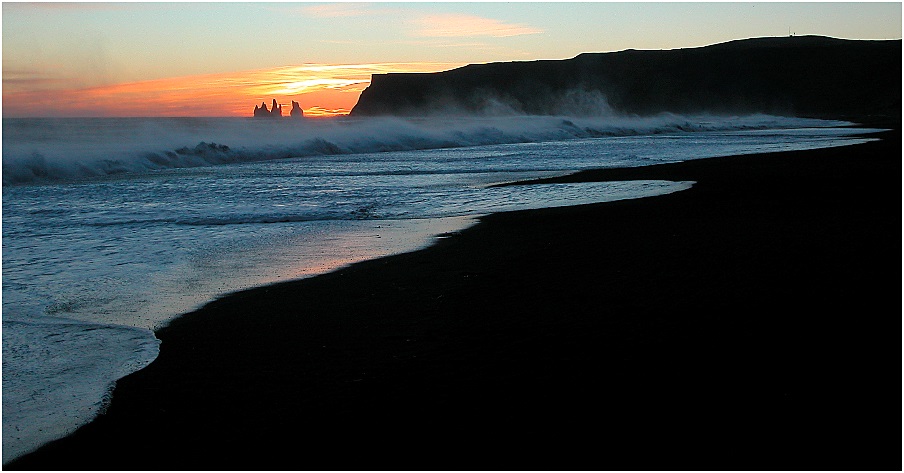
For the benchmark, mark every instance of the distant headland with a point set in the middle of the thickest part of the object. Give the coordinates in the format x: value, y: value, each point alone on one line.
x: 800, y: 75
x: 275, y: 110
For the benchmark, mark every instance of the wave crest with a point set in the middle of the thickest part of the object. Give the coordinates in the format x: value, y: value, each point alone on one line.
x: 69, y: 149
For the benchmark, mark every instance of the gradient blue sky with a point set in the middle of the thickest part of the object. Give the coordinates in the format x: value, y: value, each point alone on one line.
x: 56, y: 49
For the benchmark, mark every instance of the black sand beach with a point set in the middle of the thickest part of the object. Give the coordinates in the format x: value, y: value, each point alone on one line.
x: 752, y: 322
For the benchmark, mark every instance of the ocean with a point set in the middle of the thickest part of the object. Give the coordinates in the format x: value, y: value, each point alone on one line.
x: 113, y: 227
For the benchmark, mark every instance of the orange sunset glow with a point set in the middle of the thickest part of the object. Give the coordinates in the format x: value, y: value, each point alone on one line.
x: 322, y: 90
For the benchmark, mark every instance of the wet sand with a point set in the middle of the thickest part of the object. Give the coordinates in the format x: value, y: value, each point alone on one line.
x: 752, y: 322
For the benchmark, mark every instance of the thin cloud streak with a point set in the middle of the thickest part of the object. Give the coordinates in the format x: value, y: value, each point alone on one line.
x: 336, y: 10
x: 459, y: 25
x: 21, y: 79
x: 320, y: 89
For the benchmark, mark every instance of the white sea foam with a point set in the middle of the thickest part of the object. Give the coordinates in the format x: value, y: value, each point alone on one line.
x: 77, y: 366
x: 57, y: 149
x: 103, y: 241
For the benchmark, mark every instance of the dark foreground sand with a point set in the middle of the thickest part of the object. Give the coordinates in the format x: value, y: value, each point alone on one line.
x: 752, y: 322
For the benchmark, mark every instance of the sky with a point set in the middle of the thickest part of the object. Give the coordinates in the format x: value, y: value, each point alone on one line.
x: 222, y: 59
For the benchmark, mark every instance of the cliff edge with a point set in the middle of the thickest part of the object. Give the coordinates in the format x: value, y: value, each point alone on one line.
x: 798, y: 75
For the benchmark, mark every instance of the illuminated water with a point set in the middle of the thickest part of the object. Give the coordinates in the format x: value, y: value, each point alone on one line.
x: 112, y: 227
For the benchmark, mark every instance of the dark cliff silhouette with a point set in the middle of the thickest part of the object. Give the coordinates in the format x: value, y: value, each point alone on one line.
x: 261, y: 111
x: 275, y: 110
x: 801, y: 75
x: 296, y: 110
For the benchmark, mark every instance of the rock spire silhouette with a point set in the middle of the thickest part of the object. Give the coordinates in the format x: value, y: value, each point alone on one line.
x: 274, y: 111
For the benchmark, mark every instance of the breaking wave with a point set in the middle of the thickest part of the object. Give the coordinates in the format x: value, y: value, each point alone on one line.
x: 55, y: 149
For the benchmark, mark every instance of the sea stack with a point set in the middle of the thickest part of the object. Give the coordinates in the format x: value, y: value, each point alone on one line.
x: 275, y: 110
x: 261, y: 111
x: 296, y: 110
